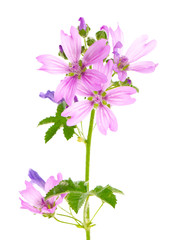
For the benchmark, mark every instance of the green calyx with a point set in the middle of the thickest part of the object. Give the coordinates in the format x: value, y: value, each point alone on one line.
x: 101, y: 35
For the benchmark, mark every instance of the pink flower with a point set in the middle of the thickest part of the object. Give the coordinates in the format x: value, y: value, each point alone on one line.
x: 35, y: 202
x: 76, y: 71
x: 102, y: 100
x: 126, y: 62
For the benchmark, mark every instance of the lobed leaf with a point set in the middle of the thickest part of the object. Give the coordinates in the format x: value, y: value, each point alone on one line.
x: 76, y: 200
x: 47, y: 120
x: 105, y: 194
x: 52, y: 131
x: 68, y: 131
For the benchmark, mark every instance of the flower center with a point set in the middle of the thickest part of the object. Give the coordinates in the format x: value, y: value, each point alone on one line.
x: 123, y: 63
x: 76, y: 69
x: 99, y: 98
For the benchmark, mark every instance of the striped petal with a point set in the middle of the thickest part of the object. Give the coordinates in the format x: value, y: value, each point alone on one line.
x: 53, y: 65
x: 143, y: 67
x: 78, y: 111
x: 66, y: 89
x: 96, y: 52
x: 71, y: 45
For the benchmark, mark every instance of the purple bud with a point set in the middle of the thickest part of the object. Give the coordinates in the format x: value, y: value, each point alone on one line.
x: 50, y: 94
x: 105, y: 29
x: 61, y: 49
x: 129, y: 81
x: 36, y: 179
x: 82, y: 24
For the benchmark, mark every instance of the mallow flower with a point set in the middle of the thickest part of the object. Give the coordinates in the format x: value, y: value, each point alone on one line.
x: 127, y: 62
x: 34, y: 201
x: 76, y: 70
x: 101, y: 100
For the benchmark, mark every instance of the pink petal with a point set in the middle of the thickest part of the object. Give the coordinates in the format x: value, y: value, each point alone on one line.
x: 66, y: 89
x: 77, y: 111
x: 82, y: 90
x: 106, y: 70
x: 120, y: 96
x: 51, y: 182
x: 52, y: 64
x: 113, y: 124
x: 92, y: 79
x: 140, y: 48
x: 32, y: 195
x: 143, y: 67
x: 25, y: 205
x: 122, y: 75
x: 96, y: 52
x: 71, y: 45
x: 117, y: 36
x: 102, y: 120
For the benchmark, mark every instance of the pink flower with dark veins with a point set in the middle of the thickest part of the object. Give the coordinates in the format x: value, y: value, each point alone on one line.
x: 76, y: 70
x: 34, y: 201
x: 127, y: 62
x: 101, y: 100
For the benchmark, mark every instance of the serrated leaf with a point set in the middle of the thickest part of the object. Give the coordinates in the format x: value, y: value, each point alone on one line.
x: 68, y: 131
x: 76, y: 200
x: 105, y: 194
x: 47, y: 120
x: 66, y: 186
x: 60, y: 108
x: 114, y: 190
x: 52, y: 131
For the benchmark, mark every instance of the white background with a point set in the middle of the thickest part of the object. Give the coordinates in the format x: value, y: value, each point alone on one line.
x: 141, y: 158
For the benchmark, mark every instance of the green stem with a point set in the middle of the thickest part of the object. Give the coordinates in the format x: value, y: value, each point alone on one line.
x: 97, y: 212
x: 87, y: 169
x: 75, y: 219
x: 65, y: 222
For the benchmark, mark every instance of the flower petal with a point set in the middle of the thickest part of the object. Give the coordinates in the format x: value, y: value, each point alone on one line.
x: 113, y: 124
x: 32, y: 195
x: 71, y: 45
x: 140, y: 48
x: 96, y: 52
x: 106, y: 70
x: 102, y: 119
x: 122, y: 75
x: 51, y: 182
x: 117, y: 36
x: 143, y: 67
x: 82, y: 90
x: 120, y: 96
x: 78, y: 111
x: 66, y: 89
x: 36, y: 179
x: 93, y: 79
x: 25, y: 205
x: 52, y: 64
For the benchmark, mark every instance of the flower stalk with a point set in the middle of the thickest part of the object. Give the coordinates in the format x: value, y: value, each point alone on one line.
x: 87, y: 171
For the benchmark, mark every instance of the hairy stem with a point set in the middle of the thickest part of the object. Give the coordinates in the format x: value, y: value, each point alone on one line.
x: 87, y: 169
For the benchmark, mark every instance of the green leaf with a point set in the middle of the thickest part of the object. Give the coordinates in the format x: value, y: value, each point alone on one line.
x: 60, y: 109
x: 105, y: 194
x: 67, y: 186
x: 100, y: 35
x: 47, y: 120
x: 114, y: 190
x: 77, y: 192
x: 68, y: 131
x: 52, y: 131
x: 76, y: 200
